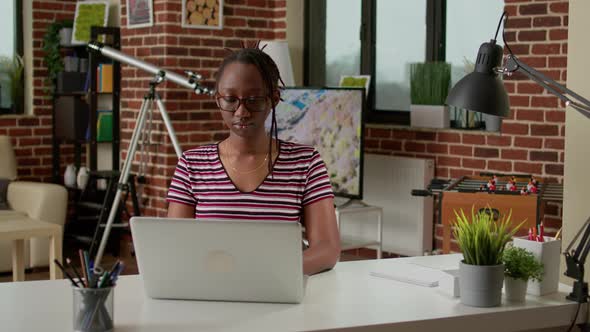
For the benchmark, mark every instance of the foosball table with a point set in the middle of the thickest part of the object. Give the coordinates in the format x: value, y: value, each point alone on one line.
x: 521, y: 195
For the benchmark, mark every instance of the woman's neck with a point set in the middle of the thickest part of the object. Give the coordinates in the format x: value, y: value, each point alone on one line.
x: 249, y: 145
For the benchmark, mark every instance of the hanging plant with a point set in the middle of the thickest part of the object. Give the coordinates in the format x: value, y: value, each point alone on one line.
x: 51, y: 47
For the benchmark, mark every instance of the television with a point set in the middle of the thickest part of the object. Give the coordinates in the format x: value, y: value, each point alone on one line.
x: 331, y: 120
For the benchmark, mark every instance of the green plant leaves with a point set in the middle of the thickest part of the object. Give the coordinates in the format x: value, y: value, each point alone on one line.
x: 521, y: 264
x: 481, y: 239
x: 429, y: 83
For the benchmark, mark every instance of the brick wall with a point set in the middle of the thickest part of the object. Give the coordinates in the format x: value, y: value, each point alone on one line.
x: 31, y: 134
x: 531, y: 140
x: 196, y: 119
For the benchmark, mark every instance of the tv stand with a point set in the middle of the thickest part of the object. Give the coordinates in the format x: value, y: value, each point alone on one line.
x: 355, y: 206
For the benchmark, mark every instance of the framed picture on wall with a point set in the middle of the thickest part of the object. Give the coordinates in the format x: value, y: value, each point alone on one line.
x: 202, y: 14
x: 356, y: 81
x: 88, y: 13
x: 140, y: 13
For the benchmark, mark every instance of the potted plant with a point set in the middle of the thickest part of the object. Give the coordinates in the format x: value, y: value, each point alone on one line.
x: 51, y: 48
x: 429, y: 86
x: 482, y: 240
x: 520, y: 266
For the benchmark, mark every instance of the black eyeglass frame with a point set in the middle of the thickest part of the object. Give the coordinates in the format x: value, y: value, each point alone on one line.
x: 240, y: 102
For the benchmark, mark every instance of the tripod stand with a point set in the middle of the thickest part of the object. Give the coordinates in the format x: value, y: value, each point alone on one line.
x: 146, y: 107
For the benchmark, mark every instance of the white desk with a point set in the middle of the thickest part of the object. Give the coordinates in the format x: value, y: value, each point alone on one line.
x: 345, y: 298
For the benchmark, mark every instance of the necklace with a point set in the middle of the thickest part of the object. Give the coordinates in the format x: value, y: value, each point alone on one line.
x: 249, y: 171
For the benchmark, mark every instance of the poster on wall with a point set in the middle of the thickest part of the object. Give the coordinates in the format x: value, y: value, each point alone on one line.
x: 89, y: 13
x: 202, y: 14
x: 140, y: 13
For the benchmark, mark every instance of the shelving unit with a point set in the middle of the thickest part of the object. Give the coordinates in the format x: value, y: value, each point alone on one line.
x: 351, y: 242
x: 87, y: 207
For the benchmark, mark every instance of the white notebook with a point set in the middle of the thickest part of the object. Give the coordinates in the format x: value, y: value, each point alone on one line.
x: 409, y: 273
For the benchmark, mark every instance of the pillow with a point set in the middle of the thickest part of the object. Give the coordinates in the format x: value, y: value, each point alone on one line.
x: 3, y: 191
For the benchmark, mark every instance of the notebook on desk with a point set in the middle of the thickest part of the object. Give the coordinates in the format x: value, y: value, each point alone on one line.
x: 253, y: 261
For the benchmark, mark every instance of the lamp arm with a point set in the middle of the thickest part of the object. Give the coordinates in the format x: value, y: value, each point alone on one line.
x: 582, y: 249
x: 579, y: 103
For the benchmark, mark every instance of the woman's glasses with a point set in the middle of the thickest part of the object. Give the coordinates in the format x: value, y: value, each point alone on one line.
x: 252, y: 103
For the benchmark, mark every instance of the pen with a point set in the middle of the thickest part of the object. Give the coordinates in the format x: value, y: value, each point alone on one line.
x: 530, y: 234
x: 542, y: 232
x: 66, y: 272
x: 83, y: 265
x: 535, y: 234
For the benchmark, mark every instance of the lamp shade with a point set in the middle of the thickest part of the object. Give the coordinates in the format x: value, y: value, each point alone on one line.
x: 279, y: 52
x: 482, y: 90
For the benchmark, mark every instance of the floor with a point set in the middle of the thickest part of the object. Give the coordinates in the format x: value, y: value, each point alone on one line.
x: 131, y: 264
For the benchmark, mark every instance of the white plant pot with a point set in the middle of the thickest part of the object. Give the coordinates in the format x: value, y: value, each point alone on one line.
x: 548, y: 253
x: 481, y: 285
x: 493, y: 122
x: 429, y: 116
x: 515, y: 289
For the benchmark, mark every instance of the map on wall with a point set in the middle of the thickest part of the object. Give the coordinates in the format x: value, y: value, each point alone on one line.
x: 331, y: 121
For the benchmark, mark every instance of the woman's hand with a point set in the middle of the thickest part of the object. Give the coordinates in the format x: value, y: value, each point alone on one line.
x: 323, y: 236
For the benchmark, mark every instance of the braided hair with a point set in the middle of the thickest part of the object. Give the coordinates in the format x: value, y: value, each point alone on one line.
x: 270, y: 75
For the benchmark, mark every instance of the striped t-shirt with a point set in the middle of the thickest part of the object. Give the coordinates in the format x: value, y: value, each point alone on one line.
x: 299, y: 177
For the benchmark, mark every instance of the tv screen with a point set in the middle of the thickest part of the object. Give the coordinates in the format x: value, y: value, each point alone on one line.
x: 331, y: 120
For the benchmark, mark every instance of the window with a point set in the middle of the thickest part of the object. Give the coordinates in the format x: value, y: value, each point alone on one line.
x: 11, y: 48
x: 382, y: 37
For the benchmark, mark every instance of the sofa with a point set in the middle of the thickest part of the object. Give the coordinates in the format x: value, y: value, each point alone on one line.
x: 42, y: 201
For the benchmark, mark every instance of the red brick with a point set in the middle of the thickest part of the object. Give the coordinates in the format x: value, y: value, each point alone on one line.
x: 379, y: 133
x: 371, y: 143
x: 474, y: 163
x: 549, y: 101
x: 558, y: 34
x: 543, y: 156
x: 486, y: 153
x: 442, y: 172
x: 514, y: 128
x: 449, y: 137
x: 558, y: 62
x: 509, y: 86
x: 554, y: 143
x: 437, y: 148
x: 528, y: 142
x: 414, y: 147
x: 544, y: 130
x: 519, y: 101
x: 529, y: 88
x: 457, y: 173
x: 529, y: 115
x: 547, y: 21
x: 514, y: 154
x: 391, y: 145
x: 528, y: 168
x: 462, y: 150
x: 7, y: 122
x: 519, y: 23
x: 554, y: 169
x: 404, y: 134
x: 532, y: 9
x: 546, y: 48
x: 532, y: 35
x: 502, y: 166
x: 448, y: 161
x: 559, y: 7
x: 519, y: 49
x: 235, y: 21
x: 473, y: 139
x: 425, y: 136
x: 499, y: 140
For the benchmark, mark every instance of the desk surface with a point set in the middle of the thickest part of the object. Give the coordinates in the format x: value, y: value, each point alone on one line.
x: 346, y: 297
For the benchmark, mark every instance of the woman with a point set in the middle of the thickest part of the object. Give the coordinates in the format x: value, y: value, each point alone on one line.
x: 228, y: 180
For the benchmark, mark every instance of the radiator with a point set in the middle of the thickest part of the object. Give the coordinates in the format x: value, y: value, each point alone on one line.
x: 407, y: 220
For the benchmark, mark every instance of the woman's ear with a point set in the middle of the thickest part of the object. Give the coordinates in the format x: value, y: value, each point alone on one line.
x: 276, y: 98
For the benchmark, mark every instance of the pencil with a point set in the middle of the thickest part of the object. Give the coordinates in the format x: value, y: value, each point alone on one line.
x: 69, y: 263
x: 66, y: 272
x: 84, y: 269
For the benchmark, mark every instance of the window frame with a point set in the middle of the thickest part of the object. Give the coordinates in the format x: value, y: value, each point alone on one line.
x: 315, y: 42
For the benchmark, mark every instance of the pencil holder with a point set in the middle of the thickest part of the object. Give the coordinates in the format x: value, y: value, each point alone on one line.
x: 93, y: 309
x: 548, y: 253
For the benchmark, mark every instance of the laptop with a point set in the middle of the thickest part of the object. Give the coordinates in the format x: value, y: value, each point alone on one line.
x: 219, y: 260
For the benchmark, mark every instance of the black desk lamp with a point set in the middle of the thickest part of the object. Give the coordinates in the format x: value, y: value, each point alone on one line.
x: 483, y: 91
